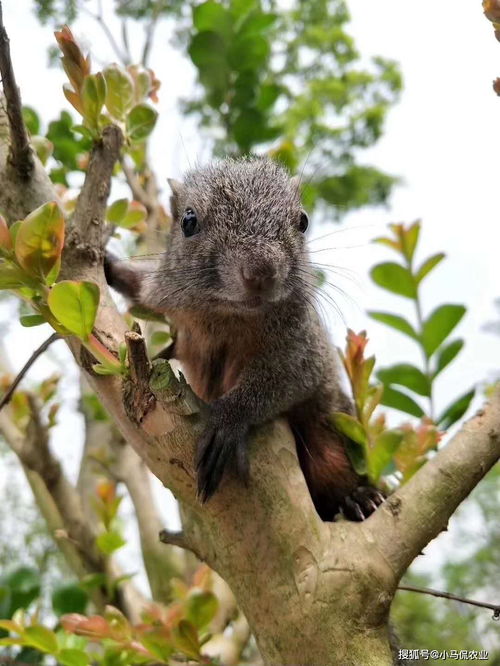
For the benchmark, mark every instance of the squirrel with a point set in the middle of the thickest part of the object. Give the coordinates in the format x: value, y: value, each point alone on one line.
x: 237, y: 285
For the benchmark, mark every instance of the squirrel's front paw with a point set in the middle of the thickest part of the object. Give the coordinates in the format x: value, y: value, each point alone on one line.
x: 361, y: 503
x: 221, y: 445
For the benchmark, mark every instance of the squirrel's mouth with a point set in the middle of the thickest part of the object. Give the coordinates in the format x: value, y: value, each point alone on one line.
x: 251, y: 304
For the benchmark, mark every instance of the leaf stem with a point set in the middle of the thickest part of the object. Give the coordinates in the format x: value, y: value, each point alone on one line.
x: 102, y: 353
x: 420, y: 323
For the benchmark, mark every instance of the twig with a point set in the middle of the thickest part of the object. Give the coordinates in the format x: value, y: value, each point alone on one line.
x: 446, y: 595
x: 105, y: 28
x: 138, y: 398
x: 140, y: 367
x: 38, y: 352
x: 178, y: 539
x: 148, y: 42
x: 125, y: 39
x: 21, y: 154
x: 138, y: 192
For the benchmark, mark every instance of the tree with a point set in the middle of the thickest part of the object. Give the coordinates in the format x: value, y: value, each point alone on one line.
x: 294, y: 564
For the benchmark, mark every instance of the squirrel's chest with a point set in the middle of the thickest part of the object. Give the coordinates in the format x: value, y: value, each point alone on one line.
x: 213, y: 360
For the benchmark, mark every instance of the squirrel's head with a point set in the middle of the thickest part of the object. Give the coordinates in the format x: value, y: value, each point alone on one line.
x: 237, y: 241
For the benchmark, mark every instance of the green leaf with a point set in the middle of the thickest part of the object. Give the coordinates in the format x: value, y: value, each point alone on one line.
x: 399, y: 400
x: 10, y: 625
x: 410, y: 240
x: 394, y: 278
x: 140, y: 122
x: 93, y: 581
x: 357, y: 456
x: 39, y: 241
x: 69, y: 599
x: 100, y: 369
x: 447, y: 354
x: 248, y: 53
x: 119, y: 91
x: 12, y: 277
x: 43, y: 148
x: 407, y: 375
x: 455, y: 411
x: 12, y: 641
x: 73, y: 657
x: 357, y: 439
x: 212, y: 16
x: 201, y: 607
x: 395, y: 321
x: 208, y: 50
x: 257, y: 23
x: 93, y: 95
x: 116, y: 211
x: 161, y: 338
x: 32, y: 320
x: 5, y: 601
x: 186, y: 639
x: 31, y: 120
x: 439, y: 325
x: 135, y: 215
x: 83, y: 131
x: 108, y: 542
x: 41, y: 638
x: 24, y: 584
x: 74, y: 304
x: 122, y: 352
x: 428, y: 265
x: 268, y: 95
x: 349, y: 426
x: 158, y: 644
x: 383, y: 451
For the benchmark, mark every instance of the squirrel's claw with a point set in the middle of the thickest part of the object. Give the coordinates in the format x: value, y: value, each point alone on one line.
x: 361, y: 503
x: 218, y: 447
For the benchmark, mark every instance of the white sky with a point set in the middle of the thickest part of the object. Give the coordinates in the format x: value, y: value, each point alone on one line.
x: 442, y: 139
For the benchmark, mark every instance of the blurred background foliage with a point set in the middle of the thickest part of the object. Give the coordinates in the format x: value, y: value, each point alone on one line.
x: 289, y: 81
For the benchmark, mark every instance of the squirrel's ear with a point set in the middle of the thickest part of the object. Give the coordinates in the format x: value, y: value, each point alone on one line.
x: 177, y: 189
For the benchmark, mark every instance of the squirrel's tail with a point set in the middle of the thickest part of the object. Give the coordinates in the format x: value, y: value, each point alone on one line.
x: 334, y: 485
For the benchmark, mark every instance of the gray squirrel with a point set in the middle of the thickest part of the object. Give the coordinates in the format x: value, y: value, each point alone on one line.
x: 237, y: 284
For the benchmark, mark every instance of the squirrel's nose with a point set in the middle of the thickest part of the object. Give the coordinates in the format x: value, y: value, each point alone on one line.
x: 258, y: 279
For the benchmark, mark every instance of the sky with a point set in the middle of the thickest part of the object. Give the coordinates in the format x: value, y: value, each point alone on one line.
x: 441, y: 139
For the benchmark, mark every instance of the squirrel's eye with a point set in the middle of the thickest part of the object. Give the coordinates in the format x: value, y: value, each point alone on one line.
x: 303, y: 222
x: 189, y: 223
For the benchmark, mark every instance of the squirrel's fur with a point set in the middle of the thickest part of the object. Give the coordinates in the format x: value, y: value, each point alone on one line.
x: 240, y: 294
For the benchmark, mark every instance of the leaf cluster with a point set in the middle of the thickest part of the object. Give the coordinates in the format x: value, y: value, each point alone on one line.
x: 115, y: 95
x: 406, y: 384
x: 177, y: 631
x: 30, y: 260
x: 289, y: 81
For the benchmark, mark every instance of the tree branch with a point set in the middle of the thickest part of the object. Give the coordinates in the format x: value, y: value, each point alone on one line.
x: 419, y: 511
x: 84, y: 235
x: 62, y: 509
x: 21, y: 155
x: 149, y: 33
x: 453, y: 597
x: 38, y: 352
x: 138, y: 192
